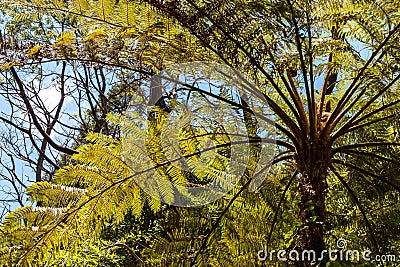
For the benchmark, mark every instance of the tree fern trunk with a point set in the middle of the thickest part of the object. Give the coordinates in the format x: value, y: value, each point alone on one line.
x: 312, y: 192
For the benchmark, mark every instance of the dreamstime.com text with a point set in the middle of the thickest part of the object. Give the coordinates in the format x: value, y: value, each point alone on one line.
x: 340, y: 254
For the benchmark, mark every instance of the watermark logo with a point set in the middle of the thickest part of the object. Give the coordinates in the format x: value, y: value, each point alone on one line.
x: 339, y: 254
x: 203, y: 127
x: 341, y: 243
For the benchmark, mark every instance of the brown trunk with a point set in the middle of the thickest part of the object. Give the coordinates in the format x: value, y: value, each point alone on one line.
x: 312, y: 213
x: 312, y: 191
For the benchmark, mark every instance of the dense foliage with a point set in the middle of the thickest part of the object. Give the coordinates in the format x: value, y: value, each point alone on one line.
x: 328, y: 70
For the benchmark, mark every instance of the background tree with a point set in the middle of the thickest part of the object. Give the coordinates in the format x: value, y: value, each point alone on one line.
x: 93, y: 86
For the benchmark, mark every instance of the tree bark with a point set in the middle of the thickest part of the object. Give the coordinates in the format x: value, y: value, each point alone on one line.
x: 312, y: 187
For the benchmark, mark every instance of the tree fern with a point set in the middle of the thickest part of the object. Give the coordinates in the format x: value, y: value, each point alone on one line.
x: 78, y: 205
x: 333, y: 170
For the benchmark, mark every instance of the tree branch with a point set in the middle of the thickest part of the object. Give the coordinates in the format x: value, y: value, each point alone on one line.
x: 31, y: 111
x: 233, y: 199
x: 274, y: 220
x: 354, y: 85
x: 355, y: 199
x: 361, y: 170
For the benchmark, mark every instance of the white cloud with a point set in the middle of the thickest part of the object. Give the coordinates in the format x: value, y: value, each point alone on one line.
x: 50, y: 98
